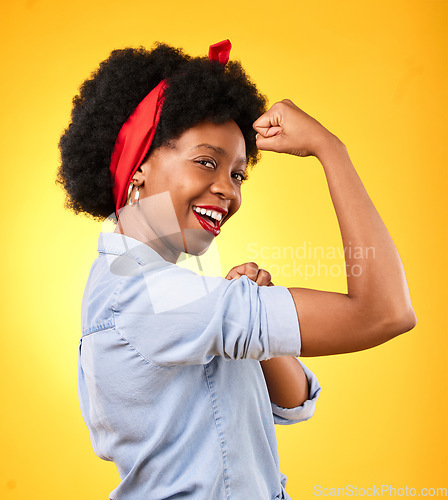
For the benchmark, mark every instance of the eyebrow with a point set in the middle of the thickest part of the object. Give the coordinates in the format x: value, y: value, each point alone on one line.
x: 220, y: 151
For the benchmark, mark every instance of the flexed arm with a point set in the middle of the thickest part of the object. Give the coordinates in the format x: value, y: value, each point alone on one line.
x: 377, y: 306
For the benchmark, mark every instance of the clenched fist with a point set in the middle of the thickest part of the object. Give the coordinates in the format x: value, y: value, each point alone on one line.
x: 253, y: 272
x: 285, y: 128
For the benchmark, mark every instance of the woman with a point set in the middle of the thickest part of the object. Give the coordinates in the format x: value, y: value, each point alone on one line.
x: 182, y: 376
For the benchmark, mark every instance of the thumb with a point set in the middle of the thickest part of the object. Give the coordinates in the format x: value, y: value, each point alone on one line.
x: 269, y: 131
x: 270, y: 141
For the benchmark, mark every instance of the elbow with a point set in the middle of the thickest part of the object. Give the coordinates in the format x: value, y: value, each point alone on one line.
x: 399, y: 321
x: 410, y: 321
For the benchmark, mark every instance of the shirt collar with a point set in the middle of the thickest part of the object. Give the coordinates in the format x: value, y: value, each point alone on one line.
x: 127, y: 256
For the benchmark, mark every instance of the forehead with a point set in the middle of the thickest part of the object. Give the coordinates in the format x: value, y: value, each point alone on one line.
x: 225, y: 139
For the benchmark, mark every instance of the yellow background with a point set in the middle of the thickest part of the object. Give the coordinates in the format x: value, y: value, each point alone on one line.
x: 375, y: 74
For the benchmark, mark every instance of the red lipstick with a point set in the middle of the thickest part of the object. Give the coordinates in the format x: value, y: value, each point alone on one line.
x: 215, y: 228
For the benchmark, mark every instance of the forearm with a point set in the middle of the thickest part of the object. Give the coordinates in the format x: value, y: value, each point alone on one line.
x: 286, y: 381
x: 375, y: 274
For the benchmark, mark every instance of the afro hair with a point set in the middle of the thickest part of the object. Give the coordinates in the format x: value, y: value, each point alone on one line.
x: 198, y: 89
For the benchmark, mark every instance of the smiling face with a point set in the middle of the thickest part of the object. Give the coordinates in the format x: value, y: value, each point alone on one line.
x: 201, y: 171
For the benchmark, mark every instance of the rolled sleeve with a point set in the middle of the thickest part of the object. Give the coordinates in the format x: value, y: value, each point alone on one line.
x: 287, y: 416
x: 195, y: 318
x: 283, y: 323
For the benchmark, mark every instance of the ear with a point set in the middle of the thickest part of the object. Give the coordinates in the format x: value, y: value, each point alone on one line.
x: 138, y: 179
x: 142, y: 173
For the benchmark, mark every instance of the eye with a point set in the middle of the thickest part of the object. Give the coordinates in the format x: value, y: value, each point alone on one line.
x: 241, y: 177
x: 206, y: 163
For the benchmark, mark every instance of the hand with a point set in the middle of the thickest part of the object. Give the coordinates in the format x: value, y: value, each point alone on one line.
x: 285, y: 128
x: 253, y: 272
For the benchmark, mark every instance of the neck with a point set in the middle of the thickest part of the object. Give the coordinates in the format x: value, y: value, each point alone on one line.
x: 133, y: 223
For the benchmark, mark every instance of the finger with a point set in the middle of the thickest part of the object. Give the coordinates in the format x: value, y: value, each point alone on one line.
x: 234, y: 275
x: 266, y: 122
x: 269, y: 131
x: 263, y: 277
x: 250, y: 269
x: 269, y: 143
x: 231, y: 274
x: 262, y: 123
x: 272, y: 131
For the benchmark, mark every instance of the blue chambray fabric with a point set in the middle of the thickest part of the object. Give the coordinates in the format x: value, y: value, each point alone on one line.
x: 170, y: 384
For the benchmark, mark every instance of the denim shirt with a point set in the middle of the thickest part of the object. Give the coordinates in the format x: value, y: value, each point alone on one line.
x: 169, y: 380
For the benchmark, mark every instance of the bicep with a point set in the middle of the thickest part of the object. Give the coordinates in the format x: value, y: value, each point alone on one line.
x: 335, y: 323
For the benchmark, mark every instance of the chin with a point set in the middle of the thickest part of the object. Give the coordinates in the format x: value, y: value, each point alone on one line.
x: 197, y: 241
x: 193, y: 241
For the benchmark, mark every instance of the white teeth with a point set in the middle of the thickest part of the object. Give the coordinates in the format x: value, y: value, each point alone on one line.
x: 215, y: 215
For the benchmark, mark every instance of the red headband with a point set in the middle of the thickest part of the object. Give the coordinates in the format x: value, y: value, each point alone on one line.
x: 136, y: 134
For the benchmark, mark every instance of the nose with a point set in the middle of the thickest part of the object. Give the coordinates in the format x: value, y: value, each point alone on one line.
x: 224, y: 185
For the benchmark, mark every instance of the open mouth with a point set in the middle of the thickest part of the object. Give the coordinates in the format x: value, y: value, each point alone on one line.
x: 209, y: 219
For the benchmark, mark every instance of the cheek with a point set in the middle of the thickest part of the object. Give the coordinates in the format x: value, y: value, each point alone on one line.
x: 239, y: 199
x: 169, y: 181
x: 236, y: 204
x: 183, y: 194
x: 188, y: 187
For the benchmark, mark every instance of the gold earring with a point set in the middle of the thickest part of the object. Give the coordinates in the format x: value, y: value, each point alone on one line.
x: 137, y: 196
x: 128, y: 199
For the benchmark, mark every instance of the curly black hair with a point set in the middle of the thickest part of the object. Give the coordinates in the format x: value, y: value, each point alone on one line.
x: 198, y: 89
